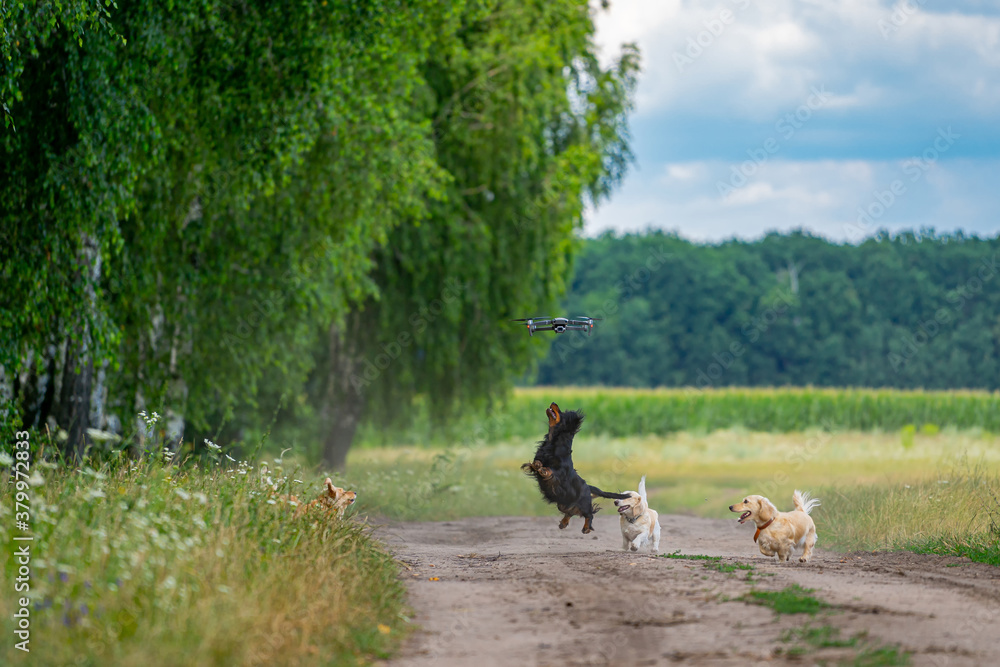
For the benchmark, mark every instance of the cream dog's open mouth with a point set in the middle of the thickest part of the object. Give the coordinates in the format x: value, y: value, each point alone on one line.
x: 745, y: 516
x: 622, y: 509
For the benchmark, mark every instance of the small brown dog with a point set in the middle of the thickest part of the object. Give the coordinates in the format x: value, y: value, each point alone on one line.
x: 781, y: 532
x: 335, y: 499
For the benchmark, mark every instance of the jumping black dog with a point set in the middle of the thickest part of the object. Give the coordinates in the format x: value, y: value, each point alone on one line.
x: 557, y: 478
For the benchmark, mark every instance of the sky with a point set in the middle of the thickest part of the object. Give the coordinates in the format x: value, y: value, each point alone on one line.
x: 838, y: 117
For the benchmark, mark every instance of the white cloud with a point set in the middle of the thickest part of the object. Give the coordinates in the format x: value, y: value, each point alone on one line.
x: 715, y: 87
x: 768, y: 54
x: 829, y: 197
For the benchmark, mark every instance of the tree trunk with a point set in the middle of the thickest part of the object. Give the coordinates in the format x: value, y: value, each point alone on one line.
x: 343, y: 402
x: 72, y: 411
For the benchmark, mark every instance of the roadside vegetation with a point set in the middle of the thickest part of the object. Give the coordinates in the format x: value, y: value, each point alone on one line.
x: 154, y: 561
x: 952, y: 513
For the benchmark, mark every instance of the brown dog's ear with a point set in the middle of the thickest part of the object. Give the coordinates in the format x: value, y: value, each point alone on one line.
x: 331, y: 490
x: 554, y: 415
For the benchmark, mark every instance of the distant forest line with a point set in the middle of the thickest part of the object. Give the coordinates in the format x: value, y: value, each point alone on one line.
x: 911, y: 310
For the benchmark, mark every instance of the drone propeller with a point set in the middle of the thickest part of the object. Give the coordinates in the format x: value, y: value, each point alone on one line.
x: 528, y: 319
x: 592, y: 319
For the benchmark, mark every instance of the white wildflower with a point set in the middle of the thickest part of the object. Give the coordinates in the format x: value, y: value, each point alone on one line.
x: 211, y: 445
x: 36, y: 479
x: 6, y: 459
x: 182, y: 493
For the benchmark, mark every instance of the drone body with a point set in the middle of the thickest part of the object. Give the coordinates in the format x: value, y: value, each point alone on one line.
x: 559, y: 324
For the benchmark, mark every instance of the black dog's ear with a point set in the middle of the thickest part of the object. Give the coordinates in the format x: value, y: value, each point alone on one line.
x: 554, y: 415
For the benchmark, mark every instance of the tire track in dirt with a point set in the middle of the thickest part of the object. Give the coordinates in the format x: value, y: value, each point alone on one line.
x: 518, y: 591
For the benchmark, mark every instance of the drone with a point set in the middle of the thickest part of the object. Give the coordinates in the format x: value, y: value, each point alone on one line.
x: 559, y: 324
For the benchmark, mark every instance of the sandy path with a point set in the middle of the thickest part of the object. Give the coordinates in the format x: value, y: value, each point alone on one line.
x: 518, y: 591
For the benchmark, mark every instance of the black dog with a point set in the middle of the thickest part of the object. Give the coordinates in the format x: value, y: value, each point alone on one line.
x: 553, y: 469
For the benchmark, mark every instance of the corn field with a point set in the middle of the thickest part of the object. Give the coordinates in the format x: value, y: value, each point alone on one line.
x: 622, y: 412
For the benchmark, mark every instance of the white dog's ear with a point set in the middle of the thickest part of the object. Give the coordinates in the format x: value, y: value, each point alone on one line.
x: 642, y: 488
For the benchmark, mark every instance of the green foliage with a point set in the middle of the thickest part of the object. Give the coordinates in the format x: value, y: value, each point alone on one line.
x: 908, y: 311
x: 145, y: 562
x: 197, y: 192
x: 906, y: 434
x: 528, y: 128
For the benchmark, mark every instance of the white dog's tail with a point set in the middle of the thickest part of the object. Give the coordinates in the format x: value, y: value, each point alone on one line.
x: 803, y: 502
x: 642, y: 489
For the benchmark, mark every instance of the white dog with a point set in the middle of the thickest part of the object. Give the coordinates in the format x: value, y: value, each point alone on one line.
x: 640, y: 525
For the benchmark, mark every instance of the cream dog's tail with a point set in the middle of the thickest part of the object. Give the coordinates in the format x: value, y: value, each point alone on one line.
x: 642, y: 489
x: 803, y: 502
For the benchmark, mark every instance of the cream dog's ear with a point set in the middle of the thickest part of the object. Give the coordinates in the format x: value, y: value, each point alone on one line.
x: 766, y: 510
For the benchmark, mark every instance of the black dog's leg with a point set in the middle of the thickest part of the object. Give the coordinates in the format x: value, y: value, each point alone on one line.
x: 587, y: 528
x: 564, y: 522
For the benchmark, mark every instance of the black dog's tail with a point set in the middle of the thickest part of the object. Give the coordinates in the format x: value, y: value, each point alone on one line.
x: 594, y: 491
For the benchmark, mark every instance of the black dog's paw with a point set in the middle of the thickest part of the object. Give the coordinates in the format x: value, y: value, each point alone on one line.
x: 538, y: 469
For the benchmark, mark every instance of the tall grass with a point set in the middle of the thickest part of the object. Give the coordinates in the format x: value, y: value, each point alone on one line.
x: 685, y: 472
x: 954, y: 513
x: 631, y: 412
x: 148, y: 563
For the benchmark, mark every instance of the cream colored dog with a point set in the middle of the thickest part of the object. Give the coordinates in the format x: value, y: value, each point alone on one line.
x: 781, y: 532
x: 640, y: 525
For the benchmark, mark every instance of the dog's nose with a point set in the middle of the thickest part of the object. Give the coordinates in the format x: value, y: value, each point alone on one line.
x: 730, y: 508
x: 616, y: 503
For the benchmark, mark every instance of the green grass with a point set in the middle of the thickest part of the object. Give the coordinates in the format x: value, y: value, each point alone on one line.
x: 149, y: 563
x: 823, y: 636
x: 884, y: 656
x: 711, y: 562
x: 791, y: 600
x: 954, y: 513
x: 691, y: 473
x: 817, y: 638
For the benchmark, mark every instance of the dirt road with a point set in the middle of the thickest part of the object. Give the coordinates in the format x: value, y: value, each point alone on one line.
x: 519, y: 591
